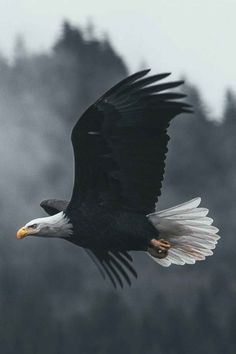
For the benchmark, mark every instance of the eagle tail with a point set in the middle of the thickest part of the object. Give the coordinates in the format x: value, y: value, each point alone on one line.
x: 188, y: 232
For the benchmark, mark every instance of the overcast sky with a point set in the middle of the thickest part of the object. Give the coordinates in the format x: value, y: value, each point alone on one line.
x: 186, y: 37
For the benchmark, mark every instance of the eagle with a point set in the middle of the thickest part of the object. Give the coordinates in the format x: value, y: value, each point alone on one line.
x: 120, y: 146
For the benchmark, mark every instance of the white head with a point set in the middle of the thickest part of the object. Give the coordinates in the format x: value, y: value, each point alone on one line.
x: 57, y: 225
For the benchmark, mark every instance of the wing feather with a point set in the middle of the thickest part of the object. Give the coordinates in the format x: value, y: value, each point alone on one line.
x: 120, y: 143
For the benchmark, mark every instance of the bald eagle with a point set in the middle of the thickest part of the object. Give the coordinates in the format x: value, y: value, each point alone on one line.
x: 120, y: 146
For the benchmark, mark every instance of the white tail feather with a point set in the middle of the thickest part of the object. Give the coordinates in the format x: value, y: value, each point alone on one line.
x: 188, y: 230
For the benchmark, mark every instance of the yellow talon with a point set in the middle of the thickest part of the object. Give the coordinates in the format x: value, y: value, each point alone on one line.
x: 159, y: 248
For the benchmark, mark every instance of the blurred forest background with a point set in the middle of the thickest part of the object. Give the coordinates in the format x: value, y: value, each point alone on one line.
x: 52, y: 299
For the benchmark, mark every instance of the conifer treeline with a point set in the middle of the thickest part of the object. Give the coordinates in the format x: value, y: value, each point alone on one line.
x: 51, y: 297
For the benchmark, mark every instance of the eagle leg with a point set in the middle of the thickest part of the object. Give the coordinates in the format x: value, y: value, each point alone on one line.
x: 159, y: 248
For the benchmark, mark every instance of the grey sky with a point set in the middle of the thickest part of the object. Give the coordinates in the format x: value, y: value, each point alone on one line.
x: 196, y: 38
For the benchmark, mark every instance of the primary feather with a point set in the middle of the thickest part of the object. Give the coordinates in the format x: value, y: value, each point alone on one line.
x: 123, y: 161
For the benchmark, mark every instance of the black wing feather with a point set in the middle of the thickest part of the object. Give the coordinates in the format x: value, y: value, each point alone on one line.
x: 122, y: 84
x: 114, y: 264
x: 120, y: 143
x: 54, y: 206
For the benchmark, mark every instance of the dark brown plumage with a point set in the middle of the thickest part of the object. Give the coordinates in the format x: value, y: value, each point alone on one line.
x: 120, y: 145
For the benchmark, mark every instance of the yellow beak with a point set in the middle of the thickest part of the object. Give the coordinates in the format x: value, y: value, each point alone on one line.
x: 21, y: 233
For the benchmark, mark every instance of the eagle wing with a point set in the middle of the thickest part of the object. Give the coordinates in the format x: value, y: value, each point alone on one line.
x: 115, y: 265
x: 120, y: 143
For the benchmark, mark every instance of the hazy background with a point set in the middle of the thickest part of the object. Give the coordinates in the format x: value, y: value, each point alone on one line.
x: 198, y: 35
x: 52, y: 299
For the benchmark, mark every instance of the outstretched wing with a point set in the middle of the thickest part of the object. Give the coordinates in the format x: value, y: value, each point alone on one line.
x: 120, y: 143
x: 115, y: 265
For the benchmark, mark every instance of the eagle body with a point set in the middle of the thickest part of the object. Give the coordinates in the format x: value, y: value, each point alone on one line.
x: 111, y: 230
x: 120, y: 147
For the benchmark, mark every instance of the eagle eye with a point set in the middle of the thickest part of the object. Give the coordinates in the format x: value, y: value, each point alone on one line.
x: 33, y: 226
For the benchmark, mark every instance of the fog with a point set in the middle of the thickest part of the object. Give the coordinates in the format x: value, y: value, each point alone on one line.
x: 52, y: 298
x: 185, y: 37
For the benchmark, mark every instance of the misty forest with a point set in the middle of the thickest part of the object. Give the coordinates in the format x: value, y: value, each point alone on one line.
x: 52, y: 298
